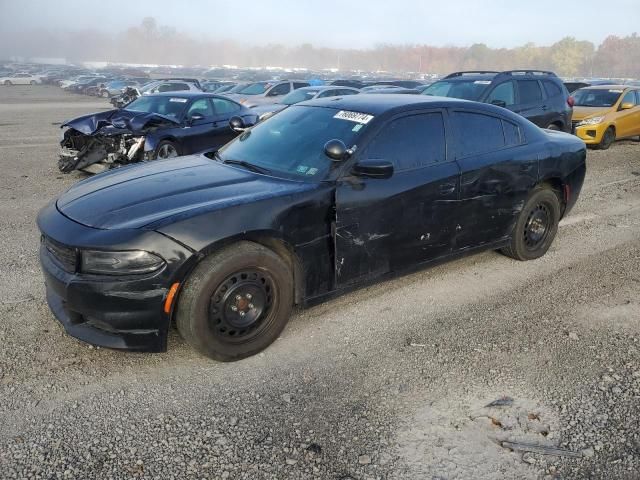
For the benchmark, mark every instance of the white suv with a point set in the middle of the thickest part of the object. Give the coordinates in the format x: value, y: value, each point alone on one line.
x: 265, y: 93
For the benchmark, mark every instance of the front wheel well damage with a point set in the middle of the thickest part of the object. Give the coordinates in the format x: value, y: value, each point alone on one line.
x: 269, y: 240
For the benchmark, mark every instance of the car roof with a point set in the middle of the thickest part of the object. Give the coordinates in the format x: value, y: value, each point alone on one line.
x: 470, y: 77
x: 378, y: 104
x: 186, y: 94
x: 322, y: 88
x: 608, y: 87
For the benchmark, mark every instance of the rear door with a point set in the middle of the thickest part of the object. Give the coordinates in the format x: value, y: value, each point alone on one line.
x: 223, y: 110
x: 530, y: 102
x: 384, y: 225
x: 496, y: 176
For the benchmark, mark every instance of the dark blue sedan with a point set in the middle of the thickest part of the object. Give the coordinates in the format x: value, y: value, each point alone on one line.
x: 163, y: 125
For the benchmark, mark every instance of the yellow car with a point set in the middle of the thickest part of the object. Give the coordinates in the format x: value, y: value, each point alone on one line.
x: 605, y: 113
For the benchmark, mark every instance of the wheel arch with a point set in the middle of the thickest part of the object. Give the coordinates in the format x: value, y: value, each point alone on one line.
x: 559, y: 186
x: 268, y: 239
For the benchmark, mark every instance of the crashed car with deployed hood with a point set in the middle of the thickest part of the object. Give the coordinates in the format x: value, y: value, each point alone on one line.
x: 153, y: 126
x: 325, y: 196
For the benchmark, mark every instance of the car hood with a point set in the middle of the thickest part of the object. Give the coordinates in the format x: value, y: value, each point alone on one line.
x: 158, y: 193
x: 117, y: 121
x: 580, y: 113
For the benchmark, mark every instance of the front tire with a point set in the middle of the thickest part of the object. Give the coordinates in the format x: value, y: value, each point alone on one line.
x: 553, y: 127
x: 607, y: 139
x: 536, y: 226
x: 166, y: 149
x: 236, y: 302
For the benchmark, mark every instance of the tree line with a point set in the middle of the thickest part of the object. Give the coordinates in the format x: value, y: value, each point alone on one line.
x: 150, y: 43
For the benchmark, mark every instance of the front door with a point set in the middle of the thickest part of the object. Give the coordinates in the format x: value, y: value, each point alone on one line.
x: 385, y: 225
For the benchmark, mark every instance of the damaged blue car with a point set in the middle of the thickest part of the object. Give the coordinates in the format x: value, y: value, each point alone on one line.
x: 151, y: 127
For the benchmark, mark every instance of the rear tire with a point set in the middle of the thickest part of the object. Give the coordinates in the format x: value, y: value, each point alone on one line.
x: 8, y: 83
x: 105, y: 94
x: 607, y: 139
x: 536, y: 226
x: 553, y: 127
x: 236, y: 302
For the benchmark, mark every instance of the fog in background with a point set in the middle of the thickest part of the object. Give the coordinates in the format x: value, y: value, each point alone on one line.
x: 574, y: 38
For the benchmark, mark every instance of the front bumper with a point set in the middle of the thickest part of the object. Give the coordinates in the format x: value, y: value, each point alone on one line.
x: 590, y: 134
x: 124, y: 312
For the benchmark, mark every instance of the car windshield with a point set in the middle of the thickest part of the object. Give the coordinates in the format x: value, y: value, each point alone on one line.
x: 291, y: 143
x: 298, y: 96
x: 255, y: 88
x: 167, y: 106
x: 596, y: 97
x: 465, y: 89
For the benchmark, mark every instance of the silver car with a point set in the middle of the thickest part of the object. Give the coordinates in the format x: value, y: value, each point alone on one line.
x: 300, y: 95
x: 265, y: 93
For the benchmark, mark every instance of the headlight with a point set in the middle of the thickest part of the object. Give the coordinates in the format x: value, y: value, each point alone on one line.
x: 590, y: 121
x: 119, y: 263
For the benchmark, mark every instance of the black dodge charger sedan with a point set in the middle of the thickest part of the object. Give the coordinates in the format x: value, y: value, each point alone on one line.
x: 323, y: 197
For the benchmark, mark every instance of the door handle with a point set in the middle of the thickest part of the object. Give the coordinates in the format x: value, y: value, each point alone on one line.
x: 447, y: 188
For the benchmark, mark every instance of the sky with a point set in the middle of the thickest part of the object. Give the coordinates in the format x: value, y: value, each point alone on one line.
x: 342, y: 23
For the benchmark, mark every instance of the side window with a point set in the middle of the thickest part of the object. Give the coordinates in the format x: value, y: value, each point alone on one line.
x: 222, y: 106
x: 410, y: 142
x: 347, y: 91
x: 512, y: 135
x: 200, y: 107
x: 552, y: 89
x: 629, y: 97
x: 637, y: 97
x: 503, y: 93
x: 477, y: 133
x: 281, y: 89
x: 297, y: 85
x: 529, y: 91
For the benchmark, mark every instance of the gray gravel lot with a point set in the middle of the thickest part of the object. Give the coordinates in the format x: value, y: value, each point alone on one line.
x: 389, y: 382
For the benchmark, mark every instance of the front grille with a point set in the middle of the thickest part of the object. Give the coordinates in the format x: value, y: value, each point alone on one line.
x: 66, y: 256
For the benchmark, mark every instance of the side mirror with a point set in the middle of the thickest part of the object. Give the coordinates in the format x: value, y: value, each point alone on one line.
x: 336, y: 150
x: 626, y: 106
x: 373, y: 169
x: 237, y: 124
x: 194, y: 118
x: 499, y: 103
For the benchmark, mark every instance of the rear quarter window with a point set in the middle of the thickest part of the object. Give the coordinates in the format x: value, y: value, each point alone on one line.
x: 529, y: 91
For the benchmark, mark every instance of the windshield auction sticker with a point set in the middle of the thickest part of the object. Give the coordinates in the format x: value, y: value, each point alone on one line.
x: 178, y: 100
x: 357, y: 117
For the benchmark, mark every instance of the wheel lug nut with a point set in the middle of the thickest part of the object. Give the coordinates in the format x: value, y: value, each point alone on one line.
x: 234, y: 308
x: 250, y: 305
x: 242, y: 314
x: 249, y: 297
x: 238, y: 297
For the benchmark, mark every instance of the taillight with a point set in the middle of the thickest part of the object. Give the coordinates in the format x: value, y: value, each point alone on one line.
x: 571, y: 102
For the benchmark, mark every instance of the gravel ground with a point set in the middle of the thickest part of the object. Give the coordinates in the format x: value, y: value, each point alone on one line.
x: 389, y: 382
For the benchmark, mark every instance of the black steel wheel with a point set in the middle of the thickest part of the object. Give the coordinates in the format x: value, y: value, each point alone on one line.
x: 536, y: 226
x: 236, y: 302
